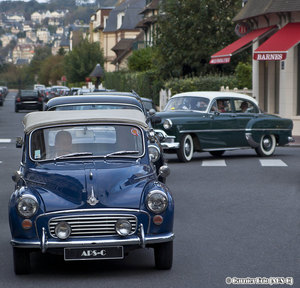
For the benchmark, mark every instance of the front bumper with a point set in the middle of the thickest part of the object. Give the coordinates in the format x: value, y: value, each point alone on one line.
x: 166, y: 141
x: 139, y: 240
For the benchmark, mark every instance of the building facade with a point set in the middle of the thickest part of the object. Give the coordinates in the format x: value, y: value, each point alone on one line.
x: 272, y: 29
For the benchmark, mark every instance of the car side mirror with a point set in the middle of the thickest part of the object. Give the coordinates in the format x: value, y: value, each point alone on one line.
x: 19, y: 142
x: 164, y: 171
x: 17, y: 176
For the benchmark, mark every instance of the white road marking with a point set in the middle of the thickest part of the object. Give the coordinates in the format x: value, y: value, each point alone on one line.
x: 1, y: 162
x: 5, y: 140
x: 272, y: 162
x: 213, y: 163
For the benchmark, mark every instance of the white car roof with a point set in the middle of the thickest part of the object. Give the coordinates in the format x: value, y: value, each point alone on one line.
x: 215, y: 94
x: 35, y: 120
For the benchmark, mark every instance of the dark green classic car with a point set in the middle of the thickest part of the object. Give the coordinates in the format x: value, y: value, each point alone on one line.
x: 217, y: 122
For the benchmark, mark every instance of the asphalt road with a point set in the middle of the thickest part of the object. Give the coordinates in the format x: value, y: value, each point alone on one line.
x: 237, y: 217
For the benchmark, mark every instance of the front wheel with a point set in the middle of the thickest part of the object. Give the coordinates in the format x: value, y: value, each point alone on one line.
x: 266, y: 146
x: 21, y: 261
x: 163, y: 254
x: 186, y: 149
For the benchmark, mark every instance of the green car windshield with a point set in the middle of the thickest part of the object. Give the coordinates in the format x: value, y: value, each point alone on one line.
x: 187, y: 103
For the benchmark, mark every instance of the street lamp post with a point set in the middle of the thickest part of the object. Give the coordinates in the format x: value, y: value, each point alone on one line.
x: 98, y: 73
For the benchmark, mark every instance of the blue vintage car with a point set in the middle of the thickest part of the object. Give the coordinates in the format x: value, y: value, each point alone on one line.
x: 88, y: 190
x: 217, y: 122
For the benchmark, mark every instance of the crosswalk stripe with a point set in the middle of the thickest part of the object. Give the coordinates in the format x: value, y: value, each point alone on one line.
x: 213, y: 163
x: 272, y: 162
x: 5, y: 140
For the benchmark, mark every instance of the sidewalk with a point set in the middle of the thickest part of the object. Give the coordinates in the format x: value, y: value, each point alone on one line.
x: 296, y: 143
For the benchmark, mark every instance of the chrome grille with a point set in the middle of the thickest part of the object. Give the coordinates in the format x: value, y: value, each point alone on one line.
x: 92, y: 225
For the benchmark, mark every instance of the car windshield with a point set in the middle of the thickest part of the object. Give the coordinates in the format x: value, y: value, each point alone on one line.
x: 187, y: 103
x: 92, y: 107
x: 86, y: 141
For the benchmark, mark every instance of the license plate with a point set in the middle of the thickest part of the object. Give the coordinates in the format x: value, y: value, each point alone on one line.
x: 93, y: 253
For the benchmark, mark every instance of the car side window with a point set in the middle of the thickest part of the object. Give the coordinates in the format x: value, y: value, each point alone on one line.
x: 221, y: 106
x: 245, y: 106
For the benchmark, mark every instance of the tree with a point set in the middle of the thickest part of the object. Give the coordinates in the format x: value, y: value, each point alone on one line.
x: 141, y: 60
x: 52, y: 69
x: 190, y: 31
x: 81, y: 61
x: 40, y: 54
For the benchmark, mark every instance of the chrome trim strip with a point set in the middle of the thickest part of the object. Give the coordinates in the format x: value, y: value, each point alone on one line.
x: 174, y: 145
x: 225, y: 149
x: 44, y: 240
x: 142, y: 235
x: 131, y: 240
x: 234, y: 130
x: 164, y: 133
x: 267, y: 129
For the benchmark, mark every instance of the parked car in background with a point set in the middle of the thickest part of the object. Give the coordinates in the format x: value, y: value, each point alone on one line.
x: 82, y: 91
x: 28, y: 100
x: 217, y: 122
x: 2, y: 97
x: 73, y: 90
x: 108, y: 101
x: 39, y: 87
x: 87, y: 190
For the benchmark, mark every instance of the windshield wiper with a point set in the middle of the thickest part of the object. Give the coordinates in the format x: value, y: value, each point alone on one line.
x: 124, y: 152
x: 73, y: 154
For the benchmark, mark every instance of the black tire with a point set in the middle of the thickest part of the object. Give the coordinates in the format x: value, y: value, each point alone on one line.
x: 163, y: 254
x: 21, y: 261
x: 217, y: 153
x: 266, y: 146
x: 16, y: 110
x: 186, y: 149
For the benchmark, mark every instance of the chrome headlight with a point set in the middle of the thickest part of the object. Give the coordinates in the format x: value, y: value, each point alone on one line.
x: 123, y: 227
x: 167, y: 124
x: 27, y: 206
x: 154, y: 153
x: 63, y: 230
x: 157, y: 201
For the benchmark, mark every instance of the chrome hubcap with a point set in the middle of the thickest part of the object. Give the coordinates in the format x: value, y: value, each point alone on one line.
x: 187, y: 148
x: 267, y: 143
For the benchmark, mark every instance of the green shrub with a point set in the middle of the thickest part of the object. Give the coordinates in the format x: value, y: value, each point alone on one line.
x: 203, y: 83
x: 147, y: 84
x: 243, y: 72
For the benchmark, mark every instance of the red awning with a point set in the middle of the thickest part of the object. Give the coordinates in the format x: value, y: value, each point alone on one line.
x: 223, y: 56
x: 277, y: 46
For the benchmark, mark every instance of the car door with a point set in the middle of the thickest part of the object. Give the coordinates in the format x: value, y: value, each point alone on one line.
x: 245, y: 110
x: 223, y: 123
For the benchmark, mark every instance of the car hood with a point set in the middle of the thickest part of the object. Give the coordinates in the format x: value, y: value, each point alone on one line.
x: 74, y: 185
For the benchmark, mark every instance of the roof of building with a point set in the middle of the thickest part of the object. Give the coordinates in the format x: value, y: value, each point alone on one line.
x: 131, y: 9
x: 153, y: 5
x: 36, y: 120
x: 254, y: 8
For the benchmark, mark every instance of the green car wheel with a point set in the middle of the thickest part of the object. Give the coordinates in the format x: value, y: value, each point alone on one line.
x: 186, y: 149
x: 266, y: 146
